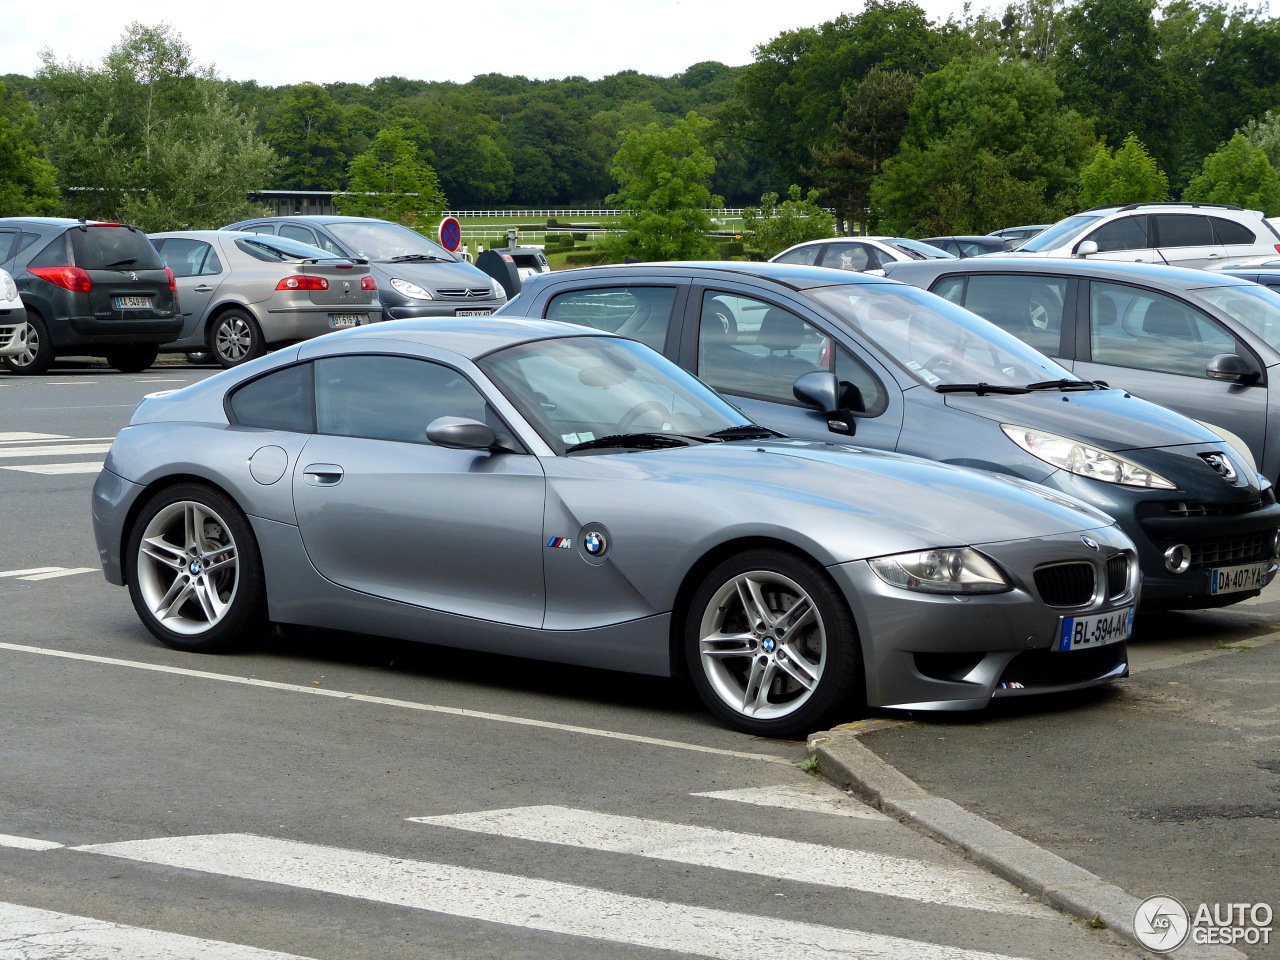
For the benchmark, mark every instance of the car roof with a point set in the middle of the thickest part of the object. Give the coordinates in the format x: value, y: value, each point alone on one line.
x: 797, y: 276
x: 317, y: 218
x: 1185, y: 278
x: 468, y: 337
x: 198, y: 235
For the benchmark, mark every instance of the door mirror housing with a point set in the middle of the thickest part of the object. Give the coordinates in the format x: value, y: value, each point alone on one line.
x: 1086, y: 248
x: 461, y: 433
x: 1230, y: 367
x: 822, y: 390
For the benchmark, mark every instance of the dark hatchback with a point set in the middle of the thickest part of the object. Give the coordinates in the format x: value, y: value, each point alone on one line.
x: 90, y: 289
x: 849, y: 358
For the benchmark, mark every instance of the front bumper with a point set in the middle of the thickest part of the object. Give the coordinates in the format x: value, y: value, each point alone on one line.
x: 437, y: 308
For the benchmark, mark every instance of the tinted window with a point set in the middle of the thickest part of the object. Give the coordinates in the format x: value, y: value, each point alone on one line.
x: 807, y: 254
x: 641, y: 313
x: 1183, y: 230
x: 1127, y: 233
x: 99, y: 248
x: 1132, y: 327
x: 297, y: 233
x: 1029, y: 307
x: 8, y: 240
x: 278, y: 401
x: 189, y: 258
x: 750, y: 347
x: 1228, y: 231
x: 949, y: 288
x: 390, y: 398
x: 850, y: 256
x: 56, y: 254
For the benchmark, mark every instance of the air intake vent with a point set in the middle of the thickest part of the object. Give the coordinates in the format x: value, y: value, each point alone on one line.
x: 1066, y: 584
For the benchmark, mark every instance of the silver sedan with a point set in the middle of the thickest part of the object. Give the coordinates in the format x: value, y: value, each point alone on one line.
x: 537, y: 489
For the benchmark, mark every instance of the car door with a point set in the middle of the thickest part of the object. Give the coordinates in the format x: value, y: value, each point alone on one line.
x: 1127, y: 238
x: 1187, y: 240
x: 384, y: 512
x: 1158, y: 347
x: 752, y: 349
x: 198, y: 271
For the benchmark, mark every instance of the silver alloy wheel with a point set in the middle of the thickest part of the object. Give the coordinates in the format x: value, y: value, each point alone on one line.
x: 762, y: 644
x: 29, y: 337
x: 233, y: 339
x: 188, y: 567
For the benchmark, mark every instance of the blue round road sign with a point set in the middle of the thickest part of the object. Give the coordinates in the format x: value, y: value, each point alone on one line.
x: 450, y: 233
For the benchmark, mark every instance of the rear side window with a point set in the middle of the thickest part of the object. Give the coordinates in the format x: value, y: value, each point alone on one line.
x: 1228, y: 231
x: 283, y: 400
x: 850, y: 256
x: 189, y: 258
x: 56, y: 254
x: 639, y: 313
x: 807, y: 255
x: 1029, y: 307
x: 1183, y: 230
x: 112, y: 248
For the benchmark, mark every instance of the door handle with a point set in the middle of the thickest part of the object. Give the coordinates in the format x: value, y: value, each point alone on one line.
x: 203, y: 288
x: 322, y: 474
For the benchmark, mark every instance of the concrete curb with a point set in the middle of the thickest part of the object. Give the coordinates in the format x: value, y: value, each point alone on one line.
x: 847, y: 763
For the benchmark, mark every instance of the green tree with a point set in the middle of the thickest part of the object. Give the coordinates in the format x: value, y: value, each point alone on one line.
x: 772, y: 227
x: 1237, y: 172
x: 310, y: 131
x: 988, y: 144
x: 664, y: 178
x: 474, y: 168
x: 28, y: 182
x: 1264, y: 132
x: 391, y: 181
x: 1127, y: 175
x: 149, y: 137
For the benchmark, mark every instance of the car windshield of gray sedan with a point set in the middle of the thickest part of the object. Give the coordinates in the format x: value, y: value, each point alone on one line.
x: 374, y: 240
x: 1253, y: 306
x: 942, y: 345
x: 1061, y: 232
x: 582, y: 393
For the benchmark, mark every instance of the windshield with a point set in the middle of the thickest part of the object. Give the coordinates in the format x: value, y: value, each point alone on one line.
x: 918, y: 250
x: 377, y: 240
x: 1253, y: 306
x: 577, y: 390
x: 1061, y: 233
x: 937, y: 341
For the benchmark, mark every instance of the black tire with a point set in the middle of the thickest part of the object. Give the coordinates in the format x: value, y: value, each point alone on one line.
x: 133, y: 358
x: 206, y: 596
x: 235, y: 338
x: 812, y: 678
x: 38, y: 356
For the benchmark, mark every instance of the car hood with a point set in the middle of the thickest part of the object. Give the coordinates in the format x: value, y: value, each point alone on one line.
x: 1113, y: 420
x: 910, y: 501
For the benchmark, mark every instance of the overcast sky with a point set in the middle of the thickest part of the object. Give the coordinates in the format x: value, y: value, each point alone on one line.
x: 278, y: 43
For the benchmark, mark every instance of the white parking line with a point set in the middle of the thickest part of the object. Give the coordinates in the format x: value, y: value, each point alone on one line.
x: 525, y: 902
x: 26, y: 843
x: 14, y: 437
x: 46, y: 573
x: 763, y: 856
x: 55, y: 469
x: 28, y: 571
x: 33, y: 934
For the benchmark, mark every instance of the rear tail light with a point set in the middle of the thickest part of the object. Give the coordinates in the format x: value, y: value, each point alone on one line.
x: 303, y: 282
x: 69, y: 278
x: 173, y: 281
x: 368, y: 283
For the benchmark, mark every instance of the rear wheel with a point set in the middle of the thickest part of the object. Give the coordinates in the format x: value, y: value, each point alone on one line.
x: 133, y: 358
x: 235, y: 338
x: 195, y: 572
x: 37, y: 348
x: 771, y: 646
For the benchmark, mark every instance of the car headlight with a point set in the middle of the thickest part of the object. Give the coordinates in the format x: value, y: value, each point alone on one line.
x: 1084, y: 460
x: 411, y: 290
x: 10, y: 288
x: 498, y: 292
x: 944, y: 570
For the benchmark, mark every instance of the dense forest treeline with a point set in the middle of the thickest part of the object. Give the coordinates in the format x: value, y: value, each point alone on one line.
x: 993, y: 118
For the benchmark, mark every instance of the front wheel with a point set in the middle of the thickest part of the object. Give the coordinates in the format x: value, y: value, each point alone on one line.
x: 134, y: 358
x: 36, y: 355
x: 772, y: 648
x: 235, y: 338
x: 195, y: 573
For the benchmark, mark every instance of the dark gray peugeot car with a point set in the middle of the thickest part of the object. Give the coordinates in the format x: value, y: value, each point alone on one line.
x: 90, y: 289
x: 831, y: 354
x: 416, y: 277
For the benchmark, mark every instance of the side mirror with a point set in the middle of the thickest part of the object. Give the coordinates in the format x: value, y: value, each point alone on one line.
x: 1086, y: 248
x: 1230, y: 367
x: 821, y: 390
x: 461, y: 433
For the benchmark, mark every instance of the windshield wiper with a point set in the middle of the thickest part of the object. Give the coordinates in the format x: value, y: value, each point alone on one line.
x: 1063, y: 385
x: 416, y: 258
x: 979, y: 388
x: 745, y: 431
x: 121, y: 263
x: 640, y: 441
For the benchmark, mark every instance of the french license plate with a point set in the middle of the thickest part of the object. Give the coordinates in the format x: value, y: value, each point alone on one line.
x: 1082, y: 633
x: 472, y: 313
x: 346, y: 319
x: 132, y: 303
x: 1247, y: 576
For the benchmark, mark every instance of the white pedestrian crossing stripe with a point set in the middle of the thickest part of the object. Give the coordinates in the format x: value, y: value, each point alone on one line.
x: 45, y: 573
x: 764, y: 856
x: 529, y: 903
x: 813, y: 796
x: 55, y: 469
x: 41, y: 449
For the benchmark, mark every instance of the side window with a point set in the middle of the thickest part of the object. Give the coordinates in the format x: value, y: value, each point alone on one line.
x: 1027, y: 306
x: 1127, y: 233
x: 390, y: 398
x: 807, y: 255
x: 259, y: 228
x: 950, y: 288
x: 279, y: 401
x: 640, y: 313
x: 189, y: 258
x: 328, y: 245
x: 750, y: 347
x: 294, y: 232
x: 1132, y: 327
x: 1183, y: 230
x: 56, y: 254
x: 849, y: 256
x: 8, y: 241
x: 1228, y: 231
